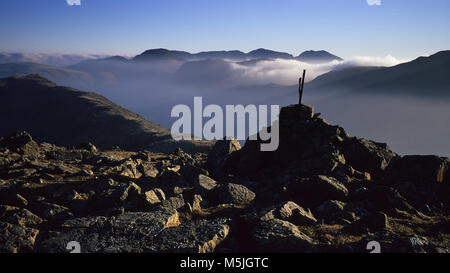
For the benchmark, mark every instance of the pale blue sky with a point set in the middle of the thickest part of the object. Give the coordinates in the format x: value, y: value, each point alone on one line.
x: 402, y: 28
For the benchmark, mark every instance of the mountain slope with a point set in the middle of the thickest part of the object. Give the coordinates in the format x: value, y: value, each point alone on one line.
x: 66, y: 116
x: 424, y: 76
x: 160, y: 55
x: 320, y: 56
x: 262, y: 53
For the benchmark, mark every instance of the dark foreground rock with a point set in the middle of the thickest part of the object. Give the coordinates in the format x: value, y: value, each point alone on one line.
x: 321, y: 191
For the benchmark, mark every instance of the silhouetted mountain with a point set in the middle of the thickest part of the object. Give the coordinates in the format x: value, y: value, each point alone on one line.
x: 160, y: 54
x: 320, y: 56
x: 115, y: 58
x: 66, y: 116
x: 232, y: 54
x: 424, y: 76
x: 262, y: 53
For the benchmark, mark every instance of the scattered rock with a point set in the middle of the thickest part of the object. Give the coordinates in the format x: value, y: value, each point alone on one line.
x: 420, y: 169
x: 218, y: 156
x: 205, y: 184
x: 366, y: 155
x: 129, y: 232
x: 152, y: 198
x: 317, y: 189
x: 173, y: 203
x: 148, y: 170
x: 199, y: 236
x: 19, y: 216
x: 278, y: 236
x: 234, y: 194
x: 16, y: 238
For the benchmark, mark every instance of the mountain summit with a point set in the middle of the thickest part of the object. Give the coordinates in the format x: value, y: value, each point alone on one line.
x: 317, y: 57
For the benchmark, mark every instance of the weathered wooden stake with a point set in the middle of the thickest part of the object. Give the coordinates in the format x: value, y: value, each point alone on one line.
x: 301, y: 82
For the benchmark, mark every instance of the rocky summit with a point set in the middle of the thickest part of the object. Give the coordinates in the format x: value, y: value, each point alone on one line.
x: 321, y: 191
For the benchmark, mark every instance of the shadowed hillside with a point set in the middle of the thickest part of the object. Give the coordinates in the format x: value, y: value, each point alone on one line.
x: 66, y: 116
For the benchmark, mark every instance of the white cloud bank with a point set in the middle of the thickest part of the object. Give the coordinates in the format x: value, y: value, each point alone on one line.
x: 374, y: 2
x: 286, y: 72
x: 48, y: 59
x: 73, y: 2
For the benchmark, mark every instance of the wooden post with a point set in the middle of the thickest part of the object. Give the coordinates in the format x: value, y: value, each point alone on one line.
x: 301, y: 82
x: 300, y: 90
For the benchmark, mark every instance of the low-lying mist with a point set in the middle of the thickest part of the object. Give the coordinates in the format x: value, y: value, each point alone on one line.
x: 409, y: 124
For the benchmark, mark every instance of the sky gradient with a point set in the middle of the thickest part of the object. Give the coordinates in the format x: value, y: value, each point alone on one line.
x: 402, y: 28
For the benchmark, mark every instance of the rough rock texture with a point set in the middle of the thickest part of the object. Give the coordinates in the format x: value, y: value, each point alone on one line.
x: 280, y: 236
x: 321, y: 191
x: 218, y: 156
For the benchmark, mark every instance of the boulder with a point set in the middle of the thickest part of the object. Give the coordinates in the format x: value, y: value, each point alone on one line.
x: 218, y: 156
x: 129, y: 232
x: 278, y: 236
x: 199, y: 236
x: 174, y: 203
x: 148, y: 170
x: 152, y: 198
x: 291, y: 212
x: 233, y: 194
x: 205, y: 183
x: 317, y: 189
x: 22, y: 143
x: 421, y: 169
x: 88, y: 146
x: 19, y: 216
x: 131, y: 193
x: 295, y: 214
x: 17, y: 238
x: 296, y: 112
x: 366, y: 155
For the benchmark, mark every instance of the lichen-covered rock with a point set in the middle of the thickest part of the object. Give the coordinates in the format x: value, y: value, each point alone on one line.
x: 290, y: 212
x: 130, y: 232
x: 200, y: 236
x: 151, y: 198
x: 233, y: 194
x: 205, y: 183
x: 280, y: 236
x: 148, y: 170
x: 19, y: 216
x: 17, y: 238
x: 174, y: 203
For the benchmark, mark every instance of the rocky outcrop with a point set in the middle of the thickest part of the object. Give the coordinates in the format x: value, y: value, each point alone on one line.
x: 321, y: 191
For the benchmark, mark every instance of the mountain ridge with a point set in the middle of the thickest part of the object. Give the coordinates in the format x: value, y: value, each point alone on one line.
x: 424, y: 76
x: 67, y: 116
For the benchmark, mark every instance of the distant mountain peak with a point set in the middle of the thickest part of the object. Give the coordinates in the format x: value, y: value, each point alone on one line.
x: 116, y: 58
x: 317, y: 56
x: 158, y: 54
x: 262, y: 53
